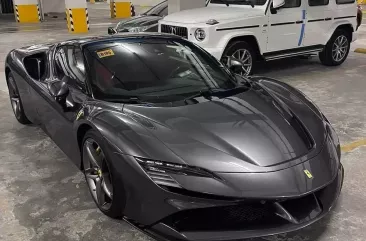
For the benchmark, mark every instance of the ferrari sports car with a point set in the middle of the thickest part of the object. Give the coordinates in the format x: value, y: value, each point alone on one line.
x: 172, y: 141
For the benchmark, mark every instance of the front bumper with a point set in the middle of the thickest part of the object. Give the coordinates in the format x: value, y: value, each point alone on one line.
x: 354, y: 36
x: 204, y: 224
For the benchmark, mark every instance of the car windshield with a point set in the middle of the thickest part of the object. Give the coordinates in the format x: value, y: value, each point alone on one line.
x: 154, y: 70
x: 240, y: 2
x: 157, y: 9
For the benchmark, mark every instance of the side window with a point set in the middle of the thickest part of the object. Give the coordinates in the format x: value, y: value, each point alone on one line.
x: 69, y: 62
x: 345, y: 1
x: 292, y: 4
x: 314, y: 3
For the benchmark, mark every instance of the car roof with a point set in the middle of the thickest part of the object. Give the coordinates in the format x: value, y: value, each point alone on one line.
x: 95, y: 39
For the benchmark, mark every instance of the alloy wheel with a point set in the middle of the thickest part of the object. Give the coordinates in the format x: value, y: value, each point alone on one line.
x: 14, y: 98
x: 97, y: 174
x: 340, y: 48
x: 245, y: 57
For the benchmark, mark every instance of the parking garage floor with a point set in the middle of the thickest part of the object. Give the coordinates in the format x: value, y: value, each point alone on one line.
x: 43, y: 196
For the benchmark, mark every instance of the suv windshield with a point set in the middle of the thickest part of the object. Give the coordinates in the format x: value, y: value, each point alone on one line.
x: 153, y: 69
x: 239, y: 2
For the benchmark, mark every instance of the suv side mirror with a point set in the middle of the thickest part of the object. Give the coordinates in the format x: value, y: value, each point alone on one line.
x: 276, y: 4
x: 112, y: 31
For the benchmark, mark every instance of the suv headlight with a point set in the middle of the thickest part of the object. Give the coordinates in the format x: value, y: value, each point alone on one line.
x: 200, y: 34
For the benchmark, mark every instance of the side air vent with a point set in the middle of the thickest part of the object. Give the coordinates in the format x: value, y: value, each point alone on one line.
x: 162, y: 179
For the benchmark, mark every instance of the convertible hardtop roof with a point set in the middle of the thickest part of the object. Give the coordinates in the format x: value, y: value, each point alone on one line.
x: 83, y: 42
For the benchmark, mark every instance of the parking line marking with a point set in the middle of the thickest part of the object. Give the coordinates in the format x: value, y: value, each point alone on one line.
x: 353, y: 145
x: 361, y: 50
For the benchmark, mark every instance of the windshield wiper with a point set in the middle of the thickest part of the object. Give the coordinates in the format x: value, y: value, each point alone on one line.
x: 129, y: 100
x: 207, y: 94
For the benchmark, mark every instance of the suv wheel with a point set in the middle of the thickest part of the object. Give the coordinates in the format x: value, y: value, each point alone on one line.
x: 243, y: 52
x: 337, y: 49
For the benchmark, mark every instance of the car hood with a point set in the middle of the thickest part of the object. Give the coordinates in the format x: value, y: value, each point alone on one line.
x: 139, y: 21
x: 202, y: 15
x: 248, y: 132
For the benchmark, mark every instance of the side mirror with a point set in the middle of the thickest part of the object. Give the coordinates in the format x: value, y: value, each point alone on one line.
x: 276, y: 4
x: 59, y: 90
x: 112, y: 31
x: 233, y: 63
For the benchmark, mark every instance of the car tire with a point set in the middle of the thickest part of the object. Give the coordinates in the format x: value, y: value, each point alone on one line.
x: 114, y: 206
x: 332, y: 55
x: 241, y: 50
x: 15, y: 101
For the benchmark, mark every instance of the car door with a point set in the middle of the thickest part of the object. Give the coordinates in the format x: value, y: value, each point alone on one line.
x: 285, y: 31
x: 319, y: 21
x: 58, y: 121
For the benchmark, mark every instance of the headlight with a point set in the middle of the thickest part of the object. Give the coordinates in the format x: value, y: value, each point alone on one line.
x: 138, y: 29
x: 200, y: 34
x: 160, y: 171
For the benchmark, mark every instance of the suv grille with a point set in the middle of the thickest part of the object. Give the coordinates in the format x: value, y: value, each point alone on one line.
x: 180, y: 31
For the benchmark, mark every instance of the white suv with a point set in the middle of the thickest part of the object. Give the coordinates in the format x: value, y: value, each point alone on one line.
x: 250, y: 30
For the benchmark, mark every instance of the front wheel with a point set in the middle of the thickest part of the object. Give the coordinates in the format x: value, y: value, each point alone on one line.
x: 243, y: 52
x: 337, y: 49
x: 104, y: 184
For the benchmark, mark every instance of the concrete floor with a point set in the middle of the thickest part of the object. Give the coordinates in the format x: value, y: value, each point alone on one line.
x: 43, y: 197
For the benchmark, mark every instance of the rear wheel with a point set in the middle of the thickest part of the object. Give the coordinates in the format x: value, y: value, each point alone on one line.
x: 16, y: 102
x: 337, y: 49
x: 104, y: 186
x: 243, y: 52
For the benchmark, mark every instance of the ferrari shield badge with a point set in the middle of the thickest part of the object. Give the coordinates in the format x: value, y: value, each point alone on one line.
x: 105, y: 53
x: 308, y: 174
x: 80, y: 114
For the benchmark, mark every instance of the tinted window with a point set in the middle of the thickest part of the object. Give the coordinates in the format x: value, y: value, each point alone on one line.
x: 69, y: 61
x: 239, y: 2
x: 155, y: 69
x: 292, y: 4
x: 318, y: 2
x: 344, y: 1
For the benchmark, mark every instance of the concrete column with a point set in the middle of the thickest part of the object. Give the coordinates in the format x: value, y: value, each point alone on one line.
x: 77, y: 16
x: 121, y: 9
x: 27, y: 11
x: 180, y: 5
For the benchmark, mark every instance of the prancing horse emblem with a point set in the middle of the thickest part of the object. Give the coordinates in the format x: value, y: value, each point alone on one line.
x: 174, y: 30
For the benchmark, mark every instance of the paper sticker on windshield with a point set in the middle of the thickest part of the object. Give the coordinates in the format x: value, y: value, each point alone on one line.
x: 105, y: 53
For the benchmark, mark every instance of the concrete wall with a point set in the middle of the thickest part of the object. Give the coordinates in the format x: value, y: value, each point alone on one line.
x: 53, y: 6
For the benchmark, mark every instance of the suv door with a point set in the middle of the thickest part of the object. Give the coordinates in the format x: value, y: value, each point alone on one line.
x: 319, y: 21
x: 285, y: 26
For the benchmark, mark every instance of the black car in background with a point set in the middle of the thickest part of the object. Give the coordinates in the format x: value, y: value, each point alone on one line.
x: 146, y: 22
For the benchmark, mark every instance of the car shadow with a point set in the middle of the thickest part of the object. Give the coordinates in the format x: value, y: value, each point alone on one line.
x: 295, y: 64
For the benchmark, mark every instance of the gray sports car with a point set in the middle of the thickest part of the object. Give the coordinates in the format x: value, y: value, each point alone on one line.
x: 172, y: 141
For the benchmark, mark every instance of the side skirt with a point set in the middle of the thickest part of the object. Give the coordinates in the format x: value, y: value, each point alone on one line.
x: 293, y: 52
